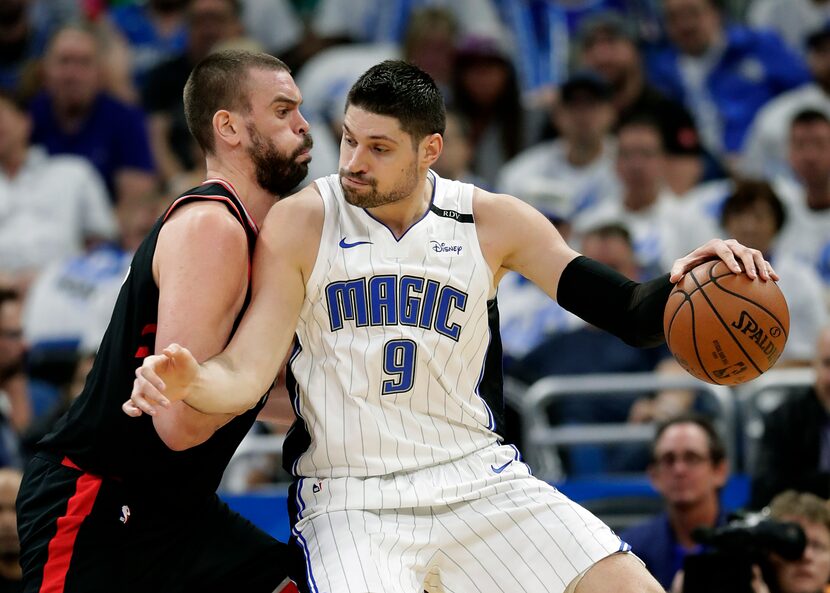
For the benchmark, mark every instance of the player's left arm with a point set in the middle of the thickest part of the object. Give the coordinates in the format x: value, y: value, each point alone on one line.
x: 514, y: 236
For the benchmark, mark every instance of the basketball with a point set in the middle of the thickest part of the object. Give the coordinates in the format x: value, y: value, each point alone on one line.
x: 725, y: 328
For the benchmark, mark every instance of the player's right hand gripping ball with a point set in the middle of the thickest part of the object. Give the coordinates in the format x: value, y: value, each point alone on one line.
x: 725, y: 328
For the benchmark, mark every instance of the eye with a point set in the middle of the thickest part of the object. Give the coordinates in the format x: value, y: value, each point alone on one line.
x: 349, y: 141
x: 283, y: 112
x: 380, y: 149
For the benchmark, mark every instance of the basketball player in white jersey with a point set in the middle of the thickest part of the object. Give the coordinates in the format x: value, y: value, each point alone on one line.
x: 389, y: 273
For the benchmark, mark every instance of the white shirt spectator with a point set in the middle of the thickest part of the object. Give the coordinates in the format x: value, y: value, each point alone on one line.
x: 48, y: 210
x: 654, y: 230
x: 273, y: 23
x: 527, y: 315
x: 588, y: 186
x: 765, y: 152
x: 700, y: 209
x: 792, y: 19
x: 385, y: 20
x: 327, y: 77
x: 806, y: 234
x: 805, y: 301
x: 68, y: 300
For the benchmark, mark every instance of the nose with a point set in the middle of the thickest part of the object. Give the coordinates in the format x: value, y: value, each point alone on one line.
x: 354, y: 161
x: 302, y: 125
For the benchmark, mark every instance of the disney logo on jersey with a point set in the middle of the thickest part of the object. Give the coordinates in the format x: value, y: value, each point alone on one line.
x: 446, y: 247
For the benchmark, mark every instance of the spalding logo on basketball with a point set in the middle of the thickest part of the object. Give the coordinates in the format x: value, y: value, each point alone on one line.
x: 723, y: 327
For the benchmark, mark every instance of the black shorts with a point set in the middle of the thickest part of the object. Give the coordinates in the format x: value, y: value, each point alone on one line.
x: 80, y: 533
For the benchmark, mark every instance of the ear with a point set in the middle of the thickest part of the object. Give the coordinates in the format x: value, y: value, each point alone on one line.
x: 227, y: 127
x: 431, y: 148
x: 721, y: 473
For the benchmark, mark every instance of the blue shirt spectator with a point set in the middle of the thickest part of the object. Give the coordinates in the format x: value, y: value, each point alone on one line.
x: 73, y: 115
x: 113, y: 136
x: 150, y: 44
x: 724, y: 75
x: 655, y: 543
x: 688, y: 468
x: 542, y: 32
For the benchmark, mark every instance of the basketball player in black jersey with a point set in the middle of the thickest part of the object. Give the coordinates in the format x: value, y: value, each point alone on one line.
x: 111, y: 504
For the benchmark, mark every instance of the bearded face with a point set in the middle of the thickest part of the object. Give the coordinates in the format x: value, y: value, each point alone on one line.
x: 277, y: 172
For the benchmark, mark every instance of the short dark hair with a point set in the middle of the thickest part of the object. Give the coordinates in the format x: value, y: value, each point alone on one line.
x: 610, y: 230
x: 717, y: 448
x: 746, y: 194
x: 220, y: 82
x: 401, y: 90
x: 809, y: 116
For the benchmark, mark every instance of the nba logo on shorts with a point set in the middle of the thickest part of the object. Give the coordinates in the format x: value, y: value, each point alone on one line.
x: 125, y: 514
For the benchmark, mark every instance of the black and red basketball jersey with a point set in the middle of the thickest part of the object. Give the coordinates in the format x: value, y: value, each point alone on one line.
x: 96, y: 435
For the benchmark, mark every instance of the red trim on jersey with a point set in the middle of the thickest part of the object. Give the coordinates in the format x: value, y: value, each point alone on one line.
x: 150, y: 328
x: 142, y: 352
x: 229, y: 186
x: 59, y: 553
x: 214, y: 198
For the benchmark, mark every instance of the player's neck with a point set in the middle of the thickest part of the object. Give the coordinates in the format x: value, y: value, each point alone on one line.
x: 401, y: 215
x: 256, y: 200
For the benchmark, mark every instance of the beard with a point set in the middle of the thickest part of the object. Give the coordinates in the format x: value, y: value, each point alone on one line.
x: 371, y: 197
x: 276, y: 172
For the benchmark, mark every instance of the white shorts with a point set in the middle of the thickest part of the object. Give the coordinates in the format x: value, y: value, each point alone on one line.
x: 479, y: 524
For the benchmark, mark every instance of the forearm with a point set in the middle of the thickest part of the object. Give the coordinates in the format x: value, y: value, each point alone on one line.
x: 181, y: 427
x: 221, y: 387
x: 608, y: 300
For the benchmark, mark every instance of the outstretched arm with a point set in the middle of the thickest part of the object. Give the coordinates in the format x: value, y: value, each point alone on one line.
x: 514, y: 236
x: 236, y: 379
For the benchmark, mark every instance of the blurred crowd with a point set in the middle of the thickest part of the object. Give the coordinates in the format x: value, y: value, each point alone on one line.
x: 640, y: 128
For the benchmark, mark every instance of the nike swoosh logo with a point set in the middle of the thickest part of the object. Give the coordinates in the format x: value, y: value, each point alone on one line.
x: 345, y: 245
x: 501, y: 468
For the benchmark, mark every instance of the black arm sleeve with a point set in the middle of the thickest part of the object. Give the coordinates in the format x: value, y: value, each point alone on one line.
x: 610, y: 301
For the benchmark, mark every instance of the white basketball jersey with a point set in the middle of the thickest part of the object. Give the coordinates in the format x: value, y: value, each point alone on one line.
x: 389, y: 373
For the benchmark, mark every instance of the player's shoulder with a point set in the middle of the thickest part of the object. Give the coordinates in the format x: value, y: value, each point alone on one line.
x: 301, y: 212
x: 203, y: 222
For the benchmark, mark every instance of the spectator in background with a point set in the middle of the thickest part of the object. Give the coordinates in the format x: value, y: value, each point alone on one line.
x: 15, y: 405
x: 74, y: 116
x: 688, y: 468
x: 457, y: 157
x: 643, y: 203
x: 273, y: 24
x: 765, y: 153
x: 430, y: 43
x: 154, y: 31
x: 385, y: 21
x: 754, y: 216
x: 794, y: 452
x: 723, y: 74
x: 527, y: 315
x: 584, y: 349
x: 11, y: 574
x: 581, y: 160
x: 50, y: 206
x: 543, y: 31
x: 209, y: 22
x: 793, y: 20
x: 25, y: 27
x: 807, y: 236
x: 485, y: 90
x: 68, y: 297
x: 608, y: 45
x: 811, y: 572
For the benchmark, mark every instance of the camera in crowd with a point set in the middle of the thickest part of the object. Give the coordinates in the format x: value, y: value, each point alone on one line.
x: 732, y: 549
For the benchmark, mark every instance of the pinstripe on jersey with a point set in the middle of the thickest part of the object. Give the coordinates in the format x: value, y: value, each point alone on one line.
x: 393, y: 337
